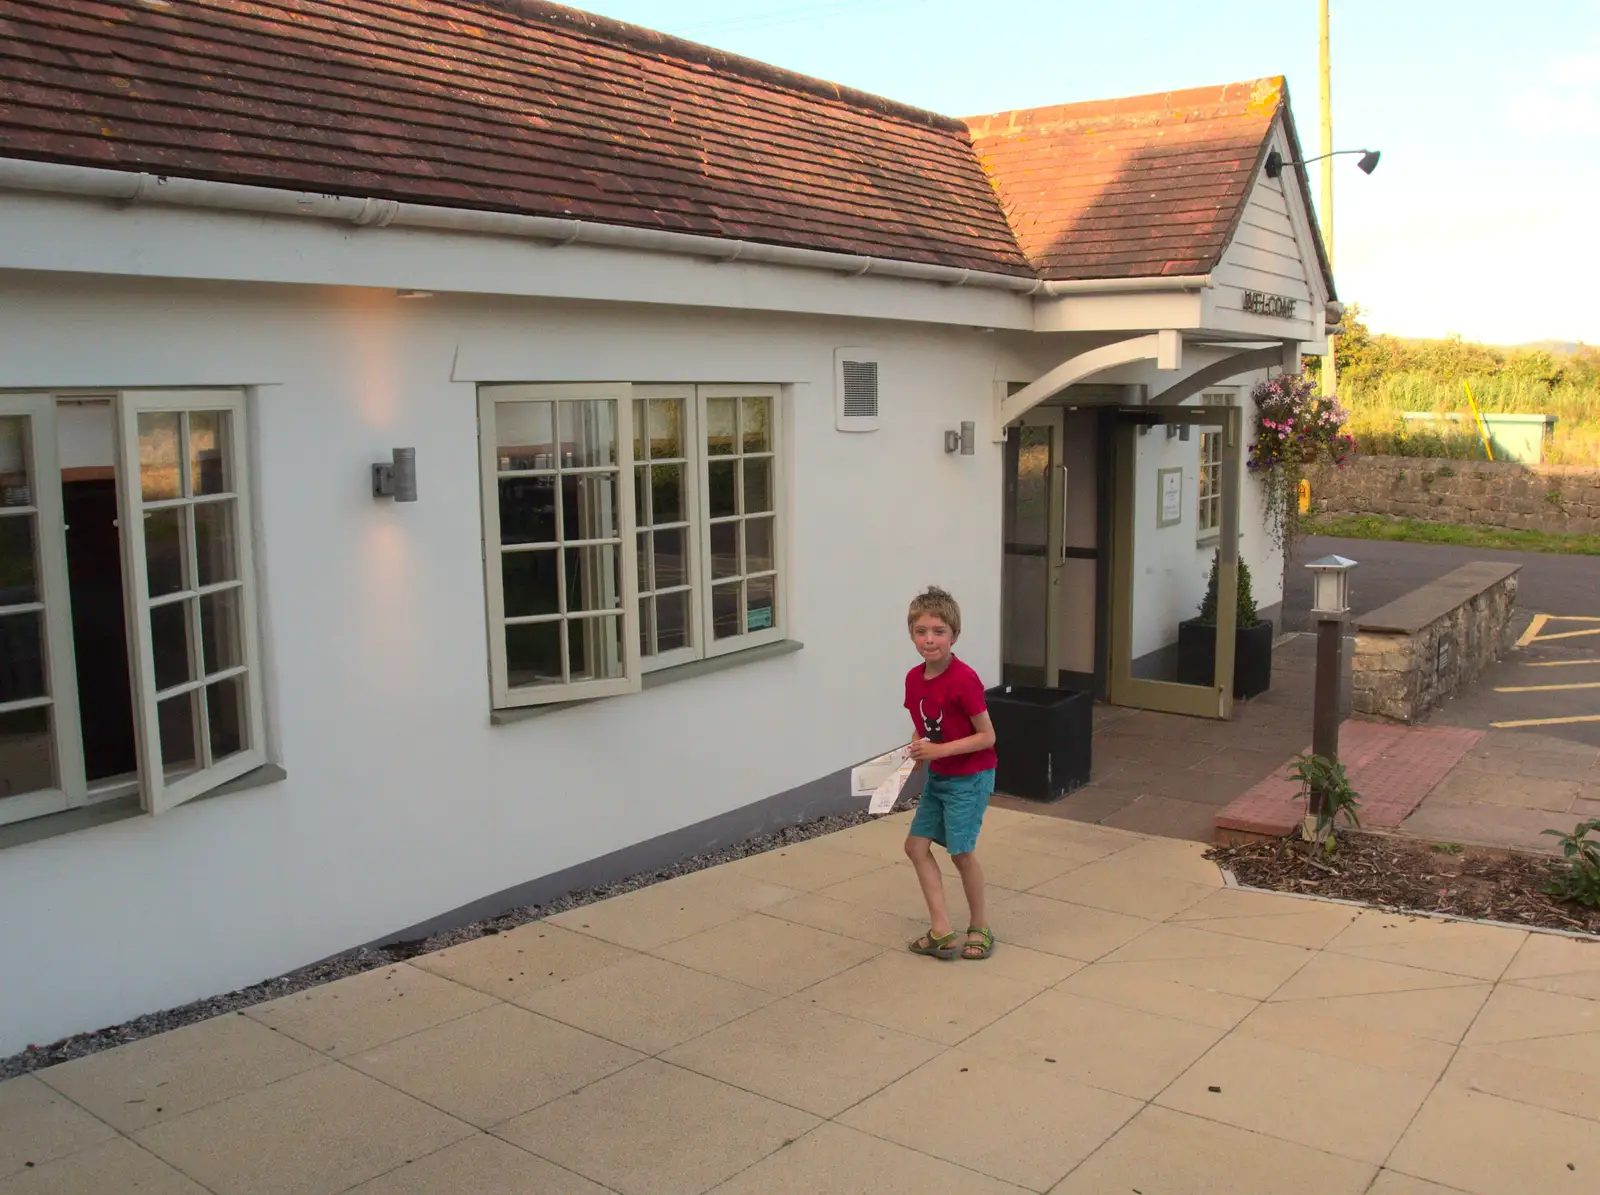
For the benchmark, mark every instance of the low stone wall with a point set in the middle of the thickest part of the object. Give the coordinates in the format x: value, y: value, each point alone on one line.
x: 1552, y: 498
x: 1415, y: 652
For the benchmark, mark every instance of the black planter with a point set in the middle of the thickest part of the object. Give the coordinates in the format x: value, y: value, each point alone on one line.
x: 1252, y: 657
x: 1042, y: 739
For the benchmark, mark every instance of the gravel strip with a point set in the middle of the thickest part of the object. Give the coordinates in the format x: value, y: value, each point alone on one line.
x: 354, y: 962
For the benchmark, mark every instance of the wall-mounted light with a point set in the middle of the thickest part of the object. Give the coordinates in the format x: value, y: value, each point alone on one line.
x: 1369, y: 160
x: 397, y: 480
x: 964, y: 441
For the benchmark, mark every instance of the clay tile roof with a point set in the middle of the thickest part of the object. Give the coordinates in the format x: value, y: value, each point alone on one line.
x: 504, y: 105
x: 1151, y: 185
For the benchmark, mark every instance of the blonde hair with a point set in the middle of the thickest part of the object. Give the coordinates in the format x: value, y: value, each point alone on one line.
x: 940, y: 604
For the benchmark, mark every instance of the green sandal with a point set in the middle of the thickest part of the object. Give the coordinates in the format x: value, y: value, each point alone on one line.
x: 942, y: 946
x: 981, y: 949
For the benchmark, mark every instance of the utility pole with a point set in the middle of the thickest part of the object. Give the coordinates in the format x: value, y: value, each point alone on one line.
x: 1330, y: 383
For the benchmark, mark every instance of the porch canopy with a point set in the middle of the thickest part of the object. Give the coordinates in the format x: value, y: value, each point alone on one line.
x: 1160, y: 238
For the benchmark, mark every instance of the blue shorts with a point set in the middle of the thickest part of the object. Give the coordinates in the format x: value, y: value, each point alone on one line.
x: 951, y: 810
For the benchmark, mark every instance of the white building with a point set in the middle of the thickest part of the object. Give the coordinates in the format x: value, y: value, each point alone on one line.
x: 618, y: 292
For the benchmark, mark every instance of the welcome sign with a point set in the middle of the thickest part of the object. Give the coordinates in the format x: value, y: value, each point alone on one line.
x: 1259, y: 302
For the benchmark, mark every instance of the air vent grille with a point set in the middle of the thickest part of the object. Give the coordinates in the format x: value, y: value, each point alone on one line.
x: 860, y: 389
x: 857, y: 402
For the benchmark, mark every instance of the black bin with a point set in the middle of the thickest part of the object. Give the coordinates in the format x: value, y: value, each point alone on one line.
x: 1042, y: 739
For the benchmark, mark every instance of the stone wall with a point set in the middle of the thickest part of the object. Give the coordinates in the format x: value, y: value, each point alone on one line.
x: 1415, y: 652
x: 1553, y: 498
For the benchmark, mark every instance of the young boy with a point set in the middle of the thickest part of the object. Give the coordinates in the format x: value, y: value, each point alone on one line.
x: 955, y: 737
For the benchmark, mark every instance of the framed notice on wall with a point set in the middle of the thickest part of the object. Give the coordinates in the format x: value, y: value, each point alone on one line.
x: 1169, y: 497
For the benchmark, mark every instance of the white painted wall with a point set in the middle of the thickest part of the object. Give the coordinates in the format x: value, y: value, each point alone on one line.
x: 402, y: 801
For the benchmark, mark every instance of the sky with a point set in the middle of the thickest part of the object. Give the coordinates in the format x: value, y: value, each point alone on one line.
x: 1483, y: 218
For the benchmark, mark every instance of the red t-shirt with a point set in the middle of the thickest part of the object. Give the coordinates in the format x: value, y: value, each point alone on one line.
x: 942, y: 709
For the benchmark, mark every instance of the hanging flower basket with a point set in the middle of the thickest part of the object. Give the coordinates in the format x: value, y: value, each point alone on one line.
x: 1294, y: 427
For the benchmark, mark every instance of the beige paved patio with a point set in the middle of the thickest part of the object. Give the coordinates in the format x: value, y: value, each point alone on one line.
x: 758, y: 1029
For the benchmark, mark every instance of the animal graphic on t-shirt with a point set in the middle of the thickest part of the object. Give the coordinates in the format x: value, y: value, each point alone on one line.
x: 932, y: 724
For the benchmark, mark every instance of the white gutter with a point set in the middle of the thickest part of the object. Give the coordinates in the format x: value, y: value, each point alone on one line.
x: 129, y: 187
x: 134, y: 188
x: 1103, y: 286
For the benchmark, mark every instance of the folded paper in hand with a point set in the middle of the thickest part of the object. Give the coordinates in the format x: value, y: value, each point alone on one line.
x: 882, y: 779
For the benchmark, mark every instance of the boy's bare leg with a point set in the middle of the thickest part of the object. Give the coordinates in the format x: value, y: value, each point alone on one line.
x: 919, y: 851
x: 972, y: 884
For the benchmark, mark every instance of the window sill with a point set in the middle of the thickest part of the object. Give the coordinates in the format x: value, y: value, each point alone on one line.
x: 103, y: 813
x: 1208, y: 539
x: 661, y: 677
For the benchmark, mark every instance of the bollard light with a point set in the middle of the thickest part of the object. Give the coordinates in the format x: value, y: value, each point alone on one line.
x: 1330, y: 586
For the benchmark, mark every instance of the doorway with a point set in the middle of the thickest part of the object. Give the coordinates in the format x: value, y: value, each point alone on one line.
x: 1111, y: 517
x: 1052, y: 616
x: 1175, y: 501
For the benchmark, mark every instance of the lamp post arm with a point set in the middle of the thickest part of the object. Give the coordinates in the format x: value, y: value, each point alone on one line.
x: 1333, y: 154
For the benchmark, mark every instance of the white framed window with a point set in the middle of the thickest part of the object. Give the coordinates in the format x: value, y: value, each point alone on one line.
x: 190, y: 579
x: 41, y: 762
x: 627, y: 528
x: 666, y: 504
x: 740, y: 532
x: 128, y: 637
x: 1209, y: 507
x: 558, y: 500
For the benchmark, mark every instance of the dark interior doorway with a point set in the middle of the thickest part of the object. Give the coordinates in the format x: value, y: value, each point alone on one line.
x: 99, y: 628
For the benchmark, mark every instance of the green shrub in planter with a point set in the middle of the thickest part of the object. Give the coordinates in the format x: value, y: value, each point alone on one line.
x: 1252, y: 652
x: 1248, y: 616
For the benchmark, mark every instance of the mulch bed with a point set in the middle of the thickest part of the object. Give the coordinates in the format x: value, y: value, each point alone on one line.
x: 1406, y: 875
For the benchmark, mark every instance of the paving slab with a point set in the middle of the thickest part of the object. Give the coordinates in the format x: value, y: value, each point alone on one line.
x: 763, y: 1031
x: 1487, y: 1145
x: 657, y: 1129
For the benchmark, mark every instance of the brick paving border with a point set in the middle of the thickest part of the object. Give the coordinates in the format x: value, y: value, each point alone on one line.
x: 1392, y: 768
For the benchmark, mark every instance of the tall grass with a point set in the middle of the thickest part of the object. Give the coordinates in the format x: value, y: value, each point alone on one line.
x: 1375, y: 408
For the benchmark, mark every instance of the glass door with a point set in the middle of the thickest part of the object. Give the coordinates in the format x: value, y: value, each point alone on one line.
x: 1030, y: 581
x: 1176, y: 517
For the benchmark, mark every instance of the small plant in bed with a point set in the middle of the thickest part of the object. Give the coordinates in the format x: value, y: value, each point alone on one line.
x: 1577, y: 876
x: 1328, y: 794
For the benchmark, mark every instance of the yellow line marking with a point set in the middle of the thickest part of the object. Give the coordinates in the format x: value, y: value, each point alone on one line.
x: 1544, y: 688
x: 1561, y: 663
x: 1546, y: 721
x: 1566, y: 635
x: 1534, y: 627
x: 1573, y: 617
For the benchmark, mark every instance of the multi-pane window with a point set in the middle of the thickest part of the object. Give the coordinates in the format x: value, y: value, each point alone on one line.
x: 1210, y: 504
x: 555, y: 460
x: 183, y: 473
x: 685, y: 476
x: 127, y: 640
x: 741, y: 523
x: 666, y: 540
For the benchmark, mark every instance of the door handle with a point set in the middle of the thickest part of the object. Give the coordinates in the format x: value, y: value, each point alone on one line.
x: 1061, y: 555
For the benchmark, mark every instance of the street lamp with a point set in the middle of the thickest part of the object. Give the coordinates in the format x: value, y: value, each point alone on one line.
x: 1369, y: 160
x: 1330, y: 602
x: 1330, y: 587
